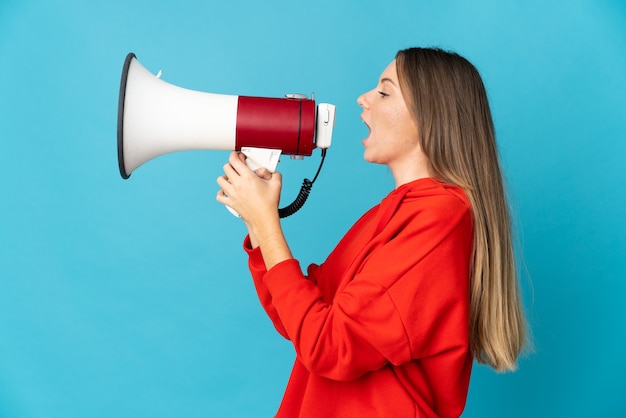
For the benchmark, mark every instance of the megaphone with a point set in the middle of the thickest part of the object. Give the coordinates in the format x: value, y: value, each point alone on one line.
x: 157, y: 118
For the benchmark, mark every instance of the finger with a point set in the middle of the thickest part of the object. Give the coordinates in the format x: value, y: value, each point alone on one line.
x: 222, y: 181
x: 277, y: 177
x: 230, y: 172
x: 264, y: 173
x: 237, y: 163
x: 223, y: 198
x: 227, y: 188
x: 229, y: 169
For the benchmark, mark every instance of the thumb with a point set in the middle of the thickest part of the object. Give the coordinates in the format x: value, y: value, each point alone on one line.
x: 264, y: 173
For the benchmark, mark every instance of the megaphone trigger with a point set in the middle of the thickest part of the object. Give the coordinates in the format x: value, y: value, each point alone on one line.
x: 261, y: 158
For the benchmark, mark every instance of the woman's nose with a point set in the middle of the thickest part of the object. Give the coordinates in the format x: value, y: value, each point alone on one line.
x: 362, y: 100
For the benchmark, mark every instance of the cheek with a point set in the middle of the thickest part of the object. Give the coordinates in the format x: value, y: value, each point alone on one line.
x: 400, y: 124
x: 387, y: 120
x: 393, y: 124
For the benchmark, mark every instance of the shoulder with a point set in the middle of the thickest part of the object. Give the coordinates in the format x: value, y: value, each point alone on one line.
x: 436, y: 202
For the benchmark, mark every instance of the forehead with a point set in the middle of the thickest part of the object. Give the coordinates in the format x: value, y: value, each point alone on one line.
x: 390, y: 73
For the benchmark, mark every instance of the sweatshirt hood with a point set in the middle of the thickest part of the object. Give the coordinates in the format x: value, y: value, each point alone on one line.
x: 409, y: 191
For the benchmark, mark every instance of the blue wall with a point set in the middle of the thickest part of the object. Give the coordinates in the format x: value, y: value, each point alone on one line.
x: 131, y: 298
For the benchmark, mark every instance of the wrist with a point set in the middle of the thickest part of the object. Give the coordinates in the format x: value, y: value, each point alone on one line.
x: 270, y: 238
x: 254, y: 242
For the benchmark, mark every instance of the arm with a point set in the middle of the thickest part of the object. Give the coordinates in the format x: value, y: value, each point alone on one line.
x: 408, y: 299
x: 258, y: 270
x: 255, y: 197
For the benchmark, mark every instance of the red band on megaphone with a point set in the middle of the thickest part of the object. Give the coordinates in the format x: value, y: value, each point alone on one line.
x: 285, y: 124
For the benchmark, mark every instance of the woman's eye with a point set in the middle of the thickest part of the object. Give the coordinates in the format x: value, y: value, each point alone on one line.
x: 383, y: 94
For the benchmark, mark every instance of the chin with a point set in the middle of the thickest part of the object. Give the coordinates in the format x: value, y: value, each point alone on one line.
x: 367, y: 156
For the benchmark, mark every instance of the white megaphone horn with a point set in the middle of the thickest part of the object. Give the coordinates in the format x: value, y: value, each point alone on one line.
x: 157, y: 118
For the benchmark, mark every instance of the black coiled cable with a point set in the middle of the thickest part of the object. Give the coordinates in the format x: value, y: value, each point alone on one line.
x: 304, y: 193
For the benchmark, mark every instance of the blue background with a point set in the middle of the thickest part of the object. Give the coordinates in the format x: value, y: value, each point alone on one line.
x: 132, y: 299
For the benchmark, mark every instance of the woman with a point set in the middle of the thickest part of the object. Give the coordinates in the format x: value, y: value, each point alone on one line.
x: 423, y: 283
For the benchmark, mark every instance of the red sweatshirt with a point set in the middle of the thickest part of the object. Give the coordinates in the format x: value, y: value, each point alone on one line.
x: 380, y: 328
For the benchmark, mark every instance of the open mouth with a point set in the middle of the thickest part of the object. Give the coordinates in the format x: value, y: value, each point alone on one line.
x: 369, y: 130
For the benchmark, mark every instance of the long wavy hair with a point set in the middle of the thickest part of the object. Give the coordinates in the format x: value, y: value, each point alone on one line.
x: 446, y: 95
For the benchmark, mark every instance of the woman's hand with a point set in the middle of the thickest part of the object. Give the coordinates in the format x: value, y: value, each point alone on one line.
x: 255, y: 196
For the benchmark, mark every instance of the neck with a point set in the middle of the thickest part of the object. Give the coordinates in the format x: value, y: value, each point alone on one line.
x: 410, y: 171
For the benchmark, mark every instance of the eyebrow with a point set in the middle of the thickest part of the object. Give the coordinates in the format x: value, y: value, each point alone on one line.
x: 382, y: 80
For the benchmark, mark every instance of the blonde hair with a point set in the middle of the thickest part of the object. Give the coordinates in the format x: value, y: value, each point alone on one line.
x: 446, y: 95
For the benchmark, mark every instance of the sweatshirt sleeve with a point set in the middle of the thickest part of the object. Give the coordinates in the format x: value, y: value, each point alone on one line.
x: 258, y: 270
x: 408, y: 299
